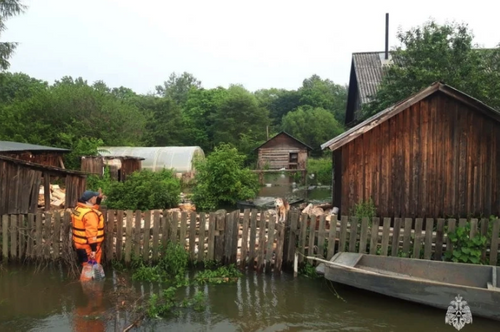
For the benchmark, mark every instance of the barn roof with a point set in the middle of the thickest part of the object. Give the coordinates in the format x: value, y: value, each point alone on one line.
x: 367, y: 67
x: 44, y: 168
x: 8, y: 146
x: 393, y: 110
x: 367, y: 71
x: 287, y: 134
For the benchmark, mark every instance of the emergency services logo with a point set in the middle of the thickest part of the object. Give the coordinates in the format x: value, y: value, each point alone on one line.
x: 458, y: 313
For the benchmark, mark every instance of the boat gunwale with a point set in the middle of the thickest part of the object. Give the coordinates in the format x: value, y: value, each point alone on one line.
x: 333, y: 265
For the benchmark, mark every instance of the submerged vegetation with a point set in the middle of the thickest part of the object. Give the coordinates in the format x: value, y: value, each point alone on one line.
x: 173, y: 273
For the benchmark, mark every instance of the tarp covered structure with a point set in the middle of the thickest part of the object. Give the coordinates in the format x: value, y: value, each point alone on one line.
x: 179, y: 158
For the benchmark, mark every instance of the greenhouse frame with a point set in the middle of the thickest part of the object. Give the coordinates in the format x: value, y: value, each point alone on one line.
x: 178, y: 158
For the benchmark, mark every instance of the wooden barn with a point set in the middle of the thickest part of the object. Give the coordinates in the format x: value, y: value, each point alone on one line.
x: 283, y: 151
x: 38, y: 154
x: 119, y: 167
x: 434, y: 154
x: 20, y: 183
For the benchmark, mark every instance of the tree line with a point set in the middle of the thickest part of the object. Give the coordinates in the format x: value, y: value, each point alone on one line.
x: 75, y: 114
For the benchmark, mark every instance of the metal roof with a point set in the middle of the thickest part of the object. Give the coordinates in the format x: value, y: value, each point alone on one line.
x: 369, y: 73
x: 393, y: 110
x: 8, y: 146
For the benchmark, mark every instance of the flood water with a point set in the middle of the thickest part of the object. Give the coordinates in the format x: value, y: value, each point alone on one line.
x: 283, y: 185
x: 47, y: 301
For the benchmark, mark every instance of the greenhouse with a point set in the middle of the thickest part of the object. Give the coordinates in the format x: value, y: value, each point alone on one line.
x: 179, y: 158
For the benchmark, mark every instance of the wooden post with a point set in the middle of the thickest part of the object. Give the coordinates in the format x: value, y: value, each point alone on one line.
x: 147, y: 235
x: 201, y: 237
x: 5, y: 236
x: 253, y: 236
x: 119, y: 235
x: 244, y: 238
x: 494, y: 242
x: 156, y: 235
x: 192, y: 236
x: 211, y: 236
x: 46, y: 190
x: 296, y: 265
x: 128, y: 236
x: 374, y: 236
x: 57, y: 236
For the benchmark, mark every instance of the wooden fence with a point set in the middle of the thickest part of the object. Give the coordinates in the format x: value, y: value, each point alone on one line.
x: 251, y: 239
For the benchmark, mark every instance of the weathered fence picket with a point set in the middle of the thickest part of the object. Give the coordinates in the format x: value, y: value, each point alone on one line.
x: 249, y: 238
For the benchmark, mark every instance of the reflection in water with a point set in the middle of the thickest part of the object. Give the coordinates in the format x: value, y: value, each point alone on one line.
x: 89, y: 316
x: 265, y: 303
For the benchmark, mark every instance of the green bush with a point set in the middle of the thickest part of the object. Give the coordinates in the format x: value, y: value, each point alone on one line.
x: 221, y: 179
x: 143, y: 190
x: 322, y: 170
x: 365, y: 209
x: 465, y: 248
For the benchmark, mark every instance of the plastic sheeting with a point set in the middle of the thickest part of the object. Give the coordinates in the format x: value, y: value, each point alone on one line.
x: 180, y: 158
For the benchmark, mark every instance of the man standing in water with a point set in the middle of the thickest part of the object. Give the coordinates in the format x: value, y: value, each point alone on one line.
x: 88, y: 227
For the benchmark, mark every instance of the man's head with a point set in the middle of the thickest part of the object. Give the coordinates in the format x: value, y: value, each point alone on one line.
x: 89, y: 197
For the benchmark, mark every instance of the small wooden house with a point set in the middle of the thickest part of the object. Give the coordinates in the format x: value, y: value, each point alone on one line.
x: 283, y: 151
x: 38, y: 154
x: 435, y: 154
x: 120, y: 167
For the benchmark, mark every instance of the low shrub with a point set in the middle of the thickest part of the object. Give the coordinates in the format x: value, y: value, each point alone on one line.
x: 322, y: 170
x: 221, y: 179
x: 143, y: 190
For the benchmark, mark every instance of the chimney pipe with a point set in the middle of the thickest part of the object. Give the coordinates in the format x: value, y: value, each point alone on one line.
x: 387, y: 36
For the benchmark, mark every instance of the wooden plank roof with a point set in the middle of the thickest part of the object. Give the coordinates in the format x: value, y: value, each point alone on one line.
x: 287, y: 134
x: 393, y: 110
x: 43, y: 168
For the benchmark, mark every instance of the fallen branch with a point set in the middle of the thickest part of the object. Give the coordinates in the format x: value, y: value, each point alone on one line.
x: 134, y: 324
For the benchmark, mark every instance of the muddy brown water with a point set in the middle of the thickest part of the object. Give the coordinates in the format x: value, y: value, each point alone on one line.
x: 49, y: 301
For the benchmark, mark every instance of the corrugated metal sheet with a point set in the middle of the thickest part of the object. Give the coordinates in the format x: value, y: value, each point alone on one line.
x: 369, y: 73
x: 8, y: 146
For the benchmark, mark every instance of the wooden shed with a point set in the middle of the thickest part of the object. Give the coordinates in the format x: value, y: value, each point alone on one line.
x: 20, y: 183
x: 434, y: 154
x: 38, y: 154
x: 120, y: 167
x: 283, y: 151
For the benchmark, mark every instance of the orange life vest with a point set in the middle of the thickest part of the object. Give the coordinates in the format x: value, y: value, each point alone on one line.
x: 79, y: 234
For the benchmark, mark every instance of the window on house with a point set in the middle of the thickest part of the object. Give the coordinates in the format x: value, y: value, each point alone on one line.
x: 294, y: 157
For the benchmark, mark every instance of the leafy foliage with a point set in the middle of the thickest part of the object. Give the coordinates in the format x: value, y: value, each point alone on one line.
x: 321, y: 168
x: 313, y: 126
x: 438, y: 53
x: 221, y: 179
x: 177, y: 87
x: 142, y: 190
x: 365, y: 209
x: 8, y: 8
x: 164, y: 124
x: 465, y: 248
x: 239, y: 114
x: 223, y: 274
x: 319, y: 93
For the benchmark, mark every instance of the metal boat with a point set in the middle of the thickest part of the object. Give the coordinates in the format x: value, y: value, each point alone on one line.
x: 432, y: 283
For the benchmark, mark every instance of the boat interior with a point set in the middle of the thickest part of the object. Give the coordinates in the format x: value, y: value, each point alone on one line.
x: 482, y: 276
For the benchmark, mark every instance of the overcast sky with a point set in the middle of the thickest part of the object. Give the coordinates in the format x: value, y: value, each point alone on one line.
x: 259, y: 44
